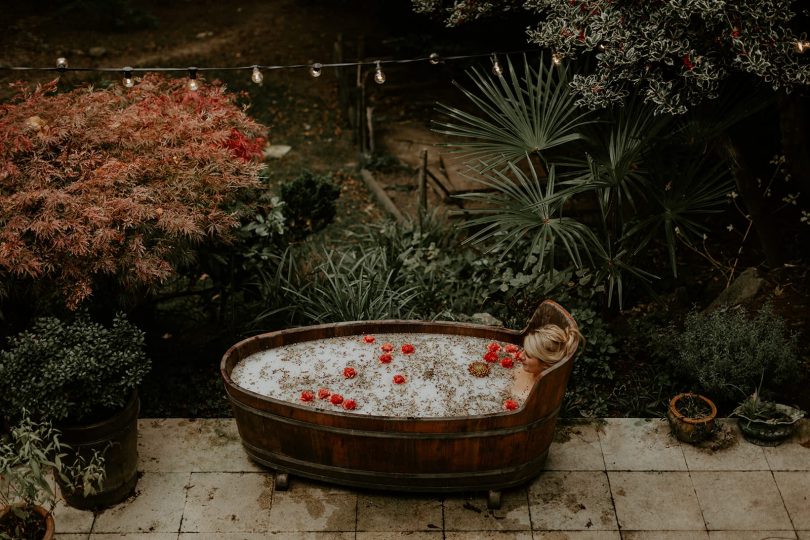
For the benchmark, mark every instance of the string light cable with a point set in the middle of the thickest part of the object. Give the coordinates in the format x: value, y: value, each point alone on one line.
x: 257, y: 70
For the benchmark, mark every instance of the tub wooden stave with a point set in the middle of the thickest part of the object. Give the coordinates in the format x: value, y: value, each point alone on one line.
x: 445, y: 454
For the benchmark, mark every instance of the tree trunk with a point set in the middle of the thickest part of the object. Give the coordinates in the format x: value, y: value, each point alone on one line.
x: 752, y: 198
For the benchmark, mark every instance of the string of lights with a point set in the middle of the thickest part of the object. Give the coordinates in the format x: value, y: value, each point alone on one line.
x: 257, y: 70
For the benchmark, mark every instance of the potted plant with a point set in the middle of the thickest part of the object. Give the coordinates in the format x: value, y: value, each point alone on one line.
x: 82, y: 376
x: 691, y: 417
x: 27, y: 454
x: 766, y: 423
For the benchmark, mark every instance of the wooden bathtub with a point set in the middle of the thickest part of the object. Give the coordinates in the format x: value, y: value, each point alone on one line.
x: 485, y: 452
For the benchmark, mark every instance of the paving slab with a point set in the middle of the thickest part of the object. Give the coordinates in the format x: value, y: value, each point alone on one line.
x: 576, y: 447
x: 665, y: 535
x: 392, y: 512
x: 228, y: 502
x: 640, y: 444
x: 655, y: 501
x: 312, y: 507
x: 487, y: 535
x: 803, y: 535
x: 795, y: 490
x: 793, y: 454
x: 269, y: 536
x: 157, y: 506
x: 752, y: 535
x: 575, y: 500
x: 732, y: 453
x: 471, y: 513
x: 71, y: 536
x: 205, y: 445
x: 398, y: 535
x: 71, y: 520
x: 577, y: 535
x: 747, y: 501
x: 132, y: 536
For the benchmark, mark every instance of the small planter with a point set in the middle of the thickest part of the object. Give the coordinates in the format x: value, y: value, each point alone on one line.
x: 117, y: 440
x: 691, y: 417
x: 44, y: 515
x: 768, y: 428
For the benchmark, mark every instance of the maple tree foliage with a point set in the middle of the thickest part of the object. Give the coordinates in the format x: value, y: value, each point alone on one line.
x: 119, y: 183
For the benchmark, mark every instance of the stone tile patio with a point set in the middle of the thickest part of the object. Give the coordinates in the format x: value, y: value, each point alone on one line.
x: 605, y: 480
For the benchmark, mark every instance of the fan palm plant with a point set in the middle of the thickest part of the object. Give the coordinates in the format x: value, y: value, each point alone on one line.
x: 518, y: 115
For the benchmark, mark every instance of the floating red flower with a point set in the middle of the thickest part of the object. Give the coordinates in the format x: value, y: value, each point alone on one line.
x: 512, y: 348
x: 386, y: 358
x: 306, y: 395
x: 368, y: 339
x: 519, y: 356
x: 387, y: 347
x: 510, y: 405
x: 493, y: 347
x: 336, y: 399
x: 349, y: 372
x: 507, y: 362
x: 323, y: 393
x: 350, y: 404
x: 491, y: 356
x: 407, y: 348
x: 687, y: 63
x: 399, y: 379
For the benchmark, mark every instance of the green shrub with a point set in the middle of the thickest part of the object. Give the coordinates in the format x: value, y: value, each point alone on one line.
x: 72, y: 370
x: 727, y: 354
x: 309, y: 203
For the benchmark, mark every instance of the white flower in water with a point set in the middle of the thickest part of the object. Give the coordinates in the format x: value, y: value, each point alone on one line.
x: 805, y: 217
x: 705, y: 237
x: 730, y: 228
x: 677, y: 230
x: 732, y: 195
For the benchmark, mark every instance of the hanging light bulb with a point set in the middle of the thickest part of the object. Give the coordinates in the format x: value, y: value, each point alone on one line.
x: 315, y: 70
x: 379, y: 76
x: 497, y: 70
x: 61, y: 63
x: 257, y: 76
x: 128, y: 81
x: 193, y: 85
x: 435, y: 58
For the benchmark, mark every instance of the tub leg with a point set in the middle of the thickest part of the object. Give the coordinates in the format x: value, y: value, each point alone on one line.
x: 282, y: 481
x: 494, y: 499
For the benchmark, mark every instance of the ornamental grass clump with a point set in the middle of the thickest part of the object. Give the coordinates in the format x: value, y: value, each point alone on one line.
x: 119, y: 185
x: 77, y: 371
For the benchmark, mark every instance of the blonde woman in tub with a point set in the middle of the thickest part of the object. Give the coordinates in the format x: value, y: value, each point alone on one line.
x: 542, y: 348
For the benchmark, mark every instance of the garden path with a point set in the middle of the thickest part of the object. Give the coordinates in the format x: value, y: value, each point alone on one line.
x: 617, y: 478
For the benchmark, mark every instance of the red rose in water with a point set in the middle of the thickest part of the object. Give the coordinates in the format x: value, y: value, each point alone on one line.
x: 408, y: 348
x: 387, y: 347
x: 336, y: 399
x: 507, y: 362
x: 493, y: 347
x: 368, y: 339
x: 350, y: 404
x: 511, y: 348
x: 510, y: 405
x: 386, y: 358
x: 306, y: 395
x: 491, y: 356
x: 399, y: 379
x: 349, y: 372
x: 687, y: 63
x: 323, y: 393
x: 519, y: 356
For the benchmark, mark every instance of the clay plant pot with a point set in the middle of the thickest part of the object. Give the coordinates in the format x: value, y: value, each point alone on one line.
x: 116, y: 438
x: 687, y: 426
x: 47, y: 518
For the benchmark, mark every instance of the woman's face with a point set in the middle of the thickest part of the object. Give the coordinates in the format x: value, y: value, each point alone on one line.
x: 531, y: 364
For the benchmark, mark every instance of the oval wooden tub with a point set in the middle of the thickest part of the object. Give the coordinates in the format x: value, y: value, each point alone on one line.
x: 484, y: 452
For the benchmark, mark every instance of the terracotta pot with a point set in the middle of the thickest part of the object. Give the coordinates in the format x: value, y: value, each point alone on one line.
x: 47, y: 517
x: 117, y: 439
x: 685, y: 428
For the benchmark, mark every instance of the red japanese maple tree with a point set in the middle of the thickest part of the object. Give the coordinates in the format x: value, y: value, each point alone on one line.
x: 119, y: 183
